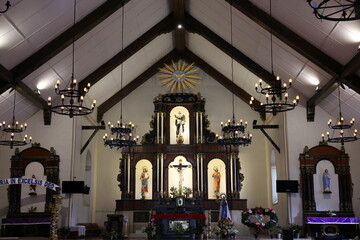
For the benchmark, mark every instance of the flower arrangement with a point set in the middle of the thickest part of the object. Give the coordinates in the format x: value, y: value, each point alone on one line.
x: 225, y: 228
x: 153, y: 228
x: 174, y: 192
x: 259, y: 218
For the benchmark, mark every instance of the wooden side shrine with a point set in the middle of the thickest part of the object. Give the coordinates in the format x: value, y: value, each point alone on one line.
x: 30, y: 205
x: 179, y: 156
x: 327, y: 192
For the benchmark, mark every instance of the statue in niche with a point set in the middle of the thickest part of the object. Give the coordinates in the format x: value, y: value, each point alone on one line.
x: 216, y: 177
x: 144, y: 178
x: 180, y: 127
x: 32, y: 187
x: 326, y: 181
x: 180, y: 168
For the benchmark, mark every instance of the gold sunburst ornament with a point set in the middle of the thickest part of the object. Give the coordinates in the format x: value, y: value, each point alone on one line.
x: 179, y: 77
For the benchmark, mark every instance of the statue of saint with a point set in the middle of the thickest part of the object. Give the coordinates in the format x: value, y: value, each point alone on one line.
x: 144, y: 178
x: 216, y: 177
x: 326, y: 181
x: 32, y: 187
x: 180, y: 168
x: 180, y: 126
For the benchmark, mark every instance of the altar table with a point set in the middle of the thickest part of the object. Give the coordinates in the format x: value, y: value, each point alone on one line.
x: 345, y: 223
x: 25, y: 227
x: 199, y: 216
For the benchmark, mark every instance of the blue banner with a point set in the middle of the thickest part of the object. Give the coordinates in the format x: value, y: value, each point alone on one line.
x: 30, y: 181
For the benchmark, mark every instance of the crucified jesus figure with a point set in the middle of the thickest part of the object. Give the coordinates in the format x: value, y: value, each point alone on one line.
x: 180, y: 168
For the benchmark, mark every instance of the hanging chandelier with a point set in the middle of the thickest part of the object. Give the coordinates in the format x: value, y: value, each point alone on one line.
x: 123, y: 135
x: 13, y: 129
x: 341, y: 125
x: 276, y: 97
x: 72, y: 98
x: 122, y: 132
x: 233, y: 132
x: 336, y: 10
x: 7, y: 4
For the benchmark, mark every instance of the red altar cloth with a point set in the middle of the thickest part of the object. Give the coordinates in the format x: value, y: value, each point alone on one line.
x: 179, y: 216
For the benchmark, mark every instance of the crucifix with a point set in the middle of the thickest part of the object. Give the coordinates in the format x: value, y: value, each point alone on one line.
x: 180, y: 168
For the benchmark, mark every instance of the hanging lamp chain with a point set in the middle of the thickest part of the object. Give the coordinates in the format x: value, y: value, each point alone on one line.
x: 271, y: 41
x: 122, y: 64
x: 232, y: 61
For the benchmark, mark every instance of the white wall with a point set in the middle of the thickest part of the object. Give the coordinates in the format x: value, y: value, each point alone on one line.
x: 293, y: 135
x: 302, y: 133
x: 58, y: 136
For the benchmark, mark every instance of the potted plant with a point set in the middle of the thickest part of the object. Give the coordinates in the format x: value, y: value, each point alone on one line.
x: 150, y: 230
x: 275, y: 231
x: 296, y: 229
x: 200, y: 229
x: 64, y: 232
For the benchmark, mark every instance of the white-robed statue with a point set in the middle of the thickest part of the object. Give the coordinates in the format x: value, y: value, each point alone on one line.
x: 326, y: 181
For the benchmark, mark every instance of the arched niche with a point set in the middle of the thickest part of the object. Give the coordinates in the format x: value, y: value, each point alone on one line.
x: 326, y: 199
x: 313, y: 162
x: 143, y: 179
x: 180, y: 173
x: 179, y: 125
x: 33, y: 196
x: 34, y: 159
x: 273, y: 174
x: 216, y: 175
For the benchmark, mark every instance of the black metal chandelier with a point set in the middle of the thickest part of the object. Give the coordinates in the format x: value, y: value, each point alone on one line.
x: 7, y: 4
x: 122, y: 132
x: 233, y: 132
x: 122, y: 135
x: 336, y: 10
x: 72, y: 98
x: 276, y: 97
x: 13, y: 129
x: 340, y: 126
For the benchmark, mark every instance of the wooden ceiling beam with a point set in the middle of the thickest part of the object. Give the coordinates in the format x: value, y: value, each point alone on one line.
x: 23, y: 69
x: 65, y: 39
x: 143, y: 77
x: 194, y: 26
x: 35, y: 99
x: 227, y: 83
x: 179, y: 33
x: 164, y: 26
x: 346, y: 76
x: 287, y: 36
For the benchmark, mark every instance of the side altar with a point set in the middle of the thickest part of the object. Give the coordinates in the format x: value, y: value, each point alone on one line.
x: 178, y: 156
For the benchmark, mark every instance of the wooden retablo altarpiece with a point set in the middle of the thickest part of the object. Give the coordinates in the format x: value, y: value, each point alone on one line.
x: 179, y: 156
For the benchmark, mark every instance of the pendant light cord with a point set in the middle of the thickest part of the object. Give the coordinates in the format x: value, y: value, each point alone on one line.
x: 271, y: 42
x: 232, y: 59
x: 122, y: 64
x: 339, y: 100
x: 73, y: 44
x: 13, y: 119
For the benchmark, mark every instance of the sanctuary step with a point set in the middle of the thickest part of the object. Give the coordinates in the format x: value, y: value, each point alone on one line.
x: 138, y: 234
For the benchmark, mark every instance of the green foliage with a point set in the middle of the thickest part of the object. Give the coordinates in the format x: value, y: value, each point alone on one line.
x: 295, y: 228
x: 64, y: 232
x: 32, y: 209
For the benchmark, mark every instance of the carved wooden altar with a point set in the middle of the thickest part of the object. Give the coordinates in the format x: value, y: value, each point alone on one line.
x: 30, y: 223
x: 309, y: 159
x: 198, y: 146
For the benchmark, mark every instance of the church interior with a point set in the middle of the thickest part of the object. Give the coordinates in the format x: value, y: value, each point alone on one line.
x: 138, y: 118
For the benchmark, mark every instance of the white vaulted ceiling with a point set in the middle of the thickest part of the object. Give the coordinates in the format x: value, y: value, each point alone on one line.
x: 29, y: 25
